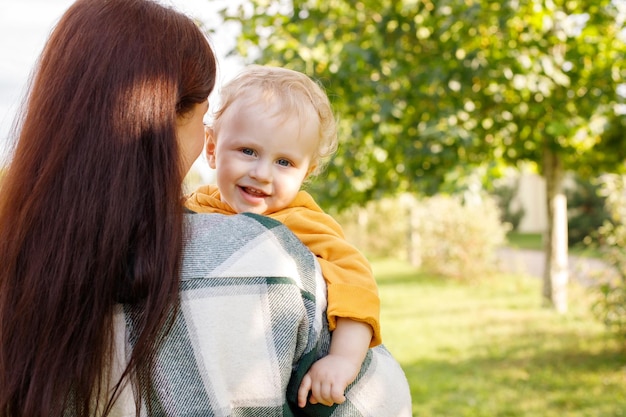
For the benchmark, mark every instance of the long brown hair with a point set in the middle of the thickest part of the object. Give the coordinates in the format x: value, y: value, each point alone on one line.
x: 89, y: 207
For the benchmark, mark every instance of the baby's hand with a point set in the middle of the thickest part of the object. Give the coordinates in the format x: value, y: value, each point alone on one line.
x: 327, y: 380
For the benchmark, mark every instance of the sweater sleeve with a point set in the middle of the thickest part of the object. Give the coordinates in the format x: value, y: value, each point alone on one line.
x: 352, y: 289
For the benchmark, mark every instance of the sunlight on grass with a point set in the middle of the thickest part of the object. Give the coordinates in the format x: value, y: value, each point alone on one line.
x: 489, y: 349
x: 525, y: 240
x: 534, y: 241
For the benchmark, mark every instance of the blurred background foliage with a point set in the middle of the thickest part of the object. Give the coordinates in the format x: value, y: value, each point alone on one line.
x: 427, y: 91
x: 444, y: 97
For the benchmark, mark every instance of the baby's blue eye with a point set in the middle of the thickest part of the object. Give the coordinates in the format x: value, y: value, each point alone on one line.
x: 247, y: 151
x: 283, y: 162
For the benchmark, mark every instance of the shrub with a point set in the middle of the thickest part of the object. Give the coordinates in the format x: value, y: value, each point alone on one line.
x: 610, y: 304
x: 586, y: 210
x: 504, y: 195
x: 379, y: 228
x: 442, y: 235
x: 458, y: 239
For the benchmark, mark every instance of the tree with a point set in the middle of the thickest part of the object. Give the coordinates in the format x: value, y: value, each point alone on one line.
x: 426, y: 90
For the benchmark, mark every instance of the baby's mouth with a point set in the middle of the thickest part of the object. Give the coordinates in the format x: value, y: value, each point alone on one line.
x: 254, y: 192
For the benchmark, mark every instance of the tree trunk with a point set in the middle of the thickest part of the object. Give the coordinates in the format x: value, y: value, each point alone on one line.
x: 556, y: 272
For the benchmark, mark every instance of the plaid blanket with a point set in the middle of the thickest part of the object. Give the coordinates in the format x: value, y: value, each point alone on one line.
x: 250, y: 325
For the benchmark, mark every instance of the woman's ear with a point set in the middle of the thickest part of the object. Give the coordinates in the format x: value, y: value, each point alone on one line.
x: 209, y: 145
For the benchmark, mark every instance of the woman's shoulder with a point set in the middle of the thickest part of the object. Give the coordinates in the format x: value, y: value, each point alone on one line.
x: 243, y: 245
x: 233, y: 231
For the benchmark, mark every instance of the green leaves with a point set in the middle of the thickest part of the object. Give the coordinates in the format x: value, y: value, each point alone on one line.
x: 422, y: 88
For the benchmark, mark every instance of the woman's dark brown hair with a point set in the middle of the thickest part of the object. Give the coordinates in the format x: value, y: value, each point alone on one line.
x: 90, y: 212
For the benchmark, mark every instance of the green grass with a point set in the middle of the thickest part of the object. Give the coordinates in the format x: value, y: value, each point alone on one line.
x: 525, y: 240
x: 534, y: 241
x: 489, y: 349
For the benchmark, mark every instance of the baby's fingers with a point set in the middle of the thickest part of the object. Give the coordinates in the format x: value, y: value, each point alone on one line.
x: 337, y: 394
x: 326, y: 393
x: 303, y: 391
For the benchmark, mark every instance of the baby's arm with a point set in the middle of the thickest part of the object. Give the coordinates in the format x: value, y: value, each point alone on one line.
x: 328, y: 377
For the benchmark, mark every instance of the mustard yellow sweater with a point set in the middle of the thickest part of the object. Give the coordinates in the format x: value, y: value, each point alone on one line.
x: 352, y: 290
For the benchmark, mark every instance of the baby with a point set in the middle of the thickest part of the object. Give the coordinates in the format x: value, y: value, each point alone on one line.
x: 275, y: 128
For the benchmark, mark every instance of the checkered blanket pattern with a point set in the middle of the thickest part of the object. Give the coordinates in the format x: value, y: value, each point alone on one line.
x: 250, y: 325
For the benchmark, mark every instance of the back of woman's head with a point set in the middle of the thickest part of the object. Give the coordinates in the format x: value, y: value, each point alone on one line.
x: 91, y: 199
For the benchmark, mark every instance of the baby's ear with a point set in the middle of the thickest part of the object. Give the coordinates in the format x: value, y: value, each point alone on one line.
x: 209, y: 145
x: 315, y: 167
x: 311, y: 170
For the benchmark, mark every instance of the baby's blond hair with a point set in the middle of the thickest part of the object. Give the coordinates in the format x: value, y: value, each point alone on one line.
x: 294, y: 94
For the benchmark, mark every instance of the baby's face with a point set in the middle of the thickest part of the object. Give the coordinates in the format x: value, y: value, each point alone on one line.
x: 261, y: 159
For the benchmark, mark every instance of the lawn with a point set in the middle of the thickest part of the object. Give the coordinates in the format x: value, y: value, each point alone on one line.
x: 525, y: 240
x: 489, y: 349
x: 534, y: 241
